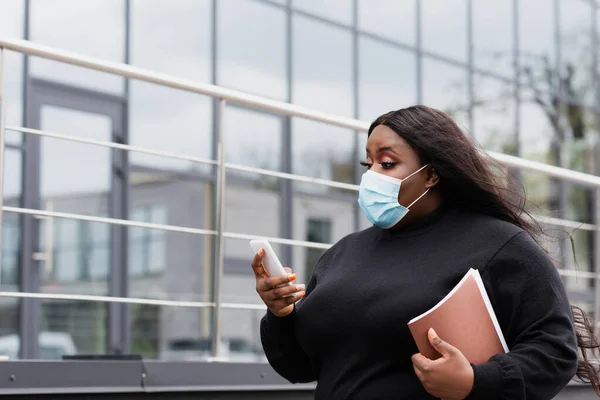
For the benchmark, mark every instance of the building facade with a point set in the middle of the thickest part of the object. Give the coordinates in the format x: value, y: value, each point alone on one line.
x: 519, y: 76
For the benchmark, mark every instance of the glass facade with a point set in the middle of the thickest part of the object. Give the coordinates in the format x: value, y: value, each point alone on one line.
x: 520, y: 77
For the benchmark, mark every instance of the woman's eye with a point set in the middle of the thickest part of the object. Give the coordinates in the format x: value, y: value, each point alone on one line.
x: 366, y: 164
x: 388, y: 165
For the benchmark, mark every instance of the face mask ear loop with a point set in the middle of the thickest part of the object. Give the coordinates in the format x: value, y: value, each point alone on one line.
x: 416, y: 172
x: 419, y: 198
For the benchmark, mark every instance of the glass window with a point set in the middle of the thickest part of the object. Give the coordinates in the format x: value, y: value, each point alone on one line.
x: 537, y: 132
x: 102, y: 20
x: 335, y: 10
x: 580, y: 143
x: 493, y: 36
x: 253, y: 139
x: 445, y: 88
x: 442, y: 34
x: 147, y: 247
x: 174, y: 40
x: 322, y: 67
x: 58, y: 157
x: 576, y: 53
x: 319, y: 231
x: 11, y: 25
x: 335, y: 213
x: 391, y: 19
x: 387, y: 78
x: 322, y: 151
x: 536, y: 41
x: 323, y: 81
x: 494, y: 115
x: 251, y: 56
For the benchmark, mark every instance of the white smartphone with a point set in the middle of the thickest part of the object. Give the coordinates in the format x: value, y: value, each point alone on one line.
x: 270, y: 260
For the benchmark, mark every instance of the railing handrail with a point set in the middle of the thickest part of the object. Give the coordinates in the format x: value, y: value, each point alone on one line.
x: 257, y: 102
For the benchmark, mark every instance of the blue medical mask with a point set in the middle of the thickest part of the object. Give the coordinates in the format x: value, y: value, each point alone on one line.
x: 378, y: 198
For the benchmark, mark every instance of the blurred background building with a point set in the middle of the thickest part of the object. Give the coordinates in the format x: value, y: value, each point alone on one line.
x: 520, y: 77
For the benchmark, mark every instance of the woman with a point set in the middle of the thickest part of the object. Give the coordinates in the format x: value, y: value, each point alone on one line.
x: 437, y: 210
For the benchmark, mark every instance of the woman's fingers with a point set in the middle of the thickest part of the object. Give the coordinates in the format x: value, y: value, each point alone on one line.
x: 257, y: 265
x: 283, y: 302
x: 284, y: 291
x: 273, y: 282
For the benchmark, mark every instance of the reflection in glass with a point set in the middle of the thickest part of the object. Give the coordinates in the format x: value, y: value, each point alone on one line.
x: 387, y: 78
x: 168, y: 120
x: 11, y: 25
x: 102, y: 20
x: 536, y: 42
x: 322, y: 65
x: 176, y: 42
x: 494, y: 112
x: 91, y: 175
x: 391, y: 19
x: 253, y: 139
x: 147, y: 247
x: 318, y: 230
x: 493, y: 36
x: 72, y: 327
x: 257, y: 66
x: 581, y: 261
x: 9, y: 327
x: 576, y: 49
x: 173, y: 40
x: 445, y: 88
x: 336, y: 10
x: 539, y: 194
x: 11, y: 224
x: 441, y: 34
x: 581, y: 139
x: 322, y: 151
x: 333, y: 212
x: 538, y: 133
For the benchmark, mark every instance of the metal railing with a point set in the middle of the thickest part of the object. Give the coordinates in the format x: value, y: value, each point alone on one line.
x: 225, y: 96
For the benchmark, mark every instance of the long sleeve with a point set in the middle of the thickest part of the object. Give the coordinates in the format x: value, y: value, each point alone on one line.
x: 281, y: 347
x: 533, y: 310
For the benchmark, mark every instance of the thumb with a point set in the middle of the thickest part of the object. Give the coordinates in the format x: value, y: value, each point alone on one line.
x: 444, y: 348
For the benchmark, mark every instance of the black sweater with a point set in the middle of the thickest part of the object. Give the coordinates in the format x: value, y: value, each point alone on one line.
x: 350, y: 331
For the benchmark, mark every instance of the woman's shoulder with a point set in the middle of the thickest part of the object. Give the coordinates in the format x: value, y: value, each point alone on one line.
x: 486, y: 227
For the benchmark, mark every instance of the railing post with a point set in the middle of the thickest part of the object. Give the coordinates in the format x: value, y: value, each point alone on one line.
x: 596, y: 266
x: 220, y: 222
x: 2, y: 138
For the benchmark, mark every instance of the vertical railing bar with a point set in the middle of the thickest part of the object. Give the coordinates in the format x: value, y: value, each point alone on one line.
x: 220, y: 222
x: 597, y: 262
x: 2, y: 138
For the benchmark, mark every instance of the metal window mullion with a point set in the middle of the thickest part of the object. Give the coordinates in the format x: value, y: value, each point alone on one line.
x: 419, y: 45
x: 470, y: 68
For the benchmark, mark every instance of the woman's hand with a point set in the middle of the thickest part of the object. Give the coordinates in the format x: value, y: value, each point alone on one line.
x: 277, y: 296
x: 449, y: 377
